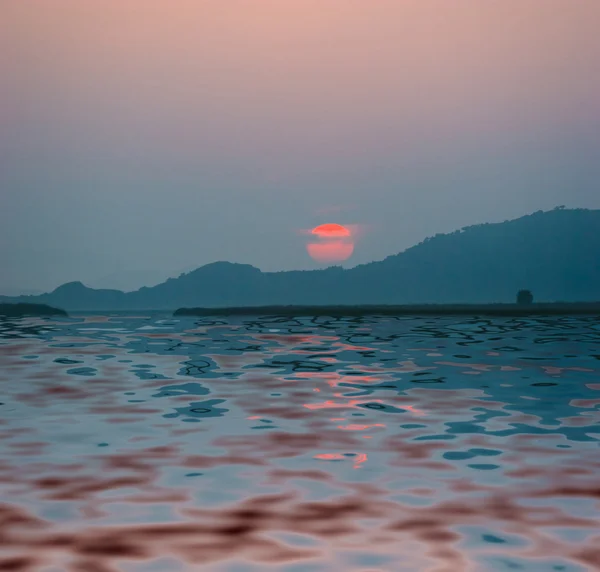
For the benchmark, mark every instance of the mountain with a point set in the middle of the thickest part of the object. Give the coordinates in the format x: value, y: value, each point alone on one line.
x: 75, y: 296
x: 556, y: 254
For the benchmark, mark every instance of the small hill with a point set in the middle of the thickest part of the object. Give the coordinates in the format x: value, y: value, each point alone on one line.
x: 23, y: 309
x: 76, y: 296
x: 219, y: 283
x: 555, y: 254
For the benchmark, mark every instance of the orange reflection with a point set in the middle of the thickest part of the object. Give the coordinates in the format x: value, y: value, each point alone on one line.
x: 329, y: 404
x: 360, y: 459
x: 333, y: 379
x: 357, y: 427
x: 413, y: 410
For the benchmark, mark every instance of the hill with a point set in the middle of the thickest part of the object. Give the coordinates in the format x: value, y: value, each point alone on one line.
x: 556, y: 254
x: 23, y: 309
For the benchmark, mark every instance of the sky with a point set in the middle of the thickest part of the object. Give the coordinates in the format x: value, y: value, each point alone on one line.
x: 143, y: 138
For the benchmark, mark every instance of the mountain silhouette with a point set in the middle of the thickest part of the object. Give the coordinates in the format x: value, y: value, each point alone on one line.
x: 24, y: 309
x: 555, y: 254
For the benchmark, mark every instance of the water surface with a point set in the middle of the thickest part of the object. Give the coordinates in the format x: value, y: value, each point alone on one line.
x: 147, y: 443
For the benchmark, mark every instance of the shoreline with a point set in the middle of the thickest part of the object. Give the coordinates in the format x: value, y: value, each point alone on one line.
x: 540, y: 309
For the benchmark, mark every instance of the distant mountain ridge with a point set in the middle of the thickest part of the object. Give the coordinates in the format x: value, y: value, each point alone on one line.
x: 556, y: 254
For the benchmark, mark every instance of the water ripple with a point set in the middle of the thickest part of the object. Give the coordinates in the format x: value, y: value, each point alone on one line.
x: 142, y: 443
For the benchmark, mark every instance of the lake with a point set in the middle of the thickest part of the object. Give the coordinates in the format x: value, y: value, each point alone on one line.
x: 144, y: 443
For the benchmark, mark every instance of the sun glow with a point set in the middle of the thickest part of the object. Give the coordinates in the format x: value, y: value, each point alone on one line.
x: 331, y: 230
x: 334, y: 243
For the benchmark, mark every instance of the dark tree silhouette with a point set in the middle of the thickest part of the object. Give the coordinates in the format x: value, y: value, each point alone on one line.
x: 524, y: 297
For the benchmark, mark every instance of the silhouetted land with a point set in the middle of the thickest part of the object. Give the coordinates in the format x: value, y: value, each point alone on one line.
x: 409, y: 310
x: 553, y: 254
x: 20, y: 310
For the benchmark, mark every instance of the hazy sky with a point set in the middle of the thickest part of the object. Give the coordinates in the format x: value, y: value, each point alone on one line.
x: 142, y: 138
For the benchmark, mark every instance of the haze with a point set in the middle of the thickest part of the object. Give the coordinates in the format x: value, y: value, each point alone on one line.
x: 144, y: 138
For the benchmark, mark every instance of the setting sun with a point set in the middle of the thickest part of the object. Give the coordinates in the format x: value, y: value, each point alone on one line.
x: 334, y: 244
x: 331, y: 230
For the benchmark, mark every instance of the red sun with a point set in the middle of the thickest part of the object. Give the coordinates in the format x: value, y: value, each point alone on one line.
x: 334, y: 244
x: 330, y: 230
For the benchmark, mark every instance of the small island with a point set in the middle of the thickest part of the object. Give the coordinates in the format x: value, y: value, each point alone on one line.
x: 509, y: 310
x: 21, y: 310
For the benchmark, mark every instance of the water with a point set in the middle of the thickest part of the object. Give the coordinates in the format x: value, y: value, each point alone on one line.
x: 146, y: 443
